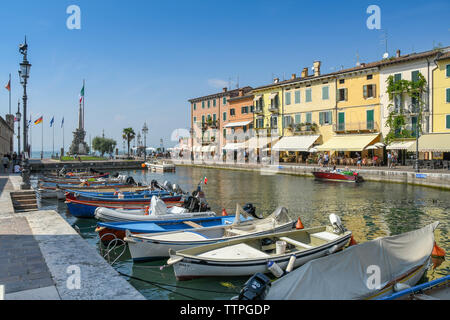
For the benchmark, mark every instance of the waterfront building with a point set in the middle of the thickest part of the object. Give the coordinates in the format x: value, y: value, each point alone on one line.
x: 6, y: 134
x: 207, y: 116
x: 441, y: 94
x: 238, y: 125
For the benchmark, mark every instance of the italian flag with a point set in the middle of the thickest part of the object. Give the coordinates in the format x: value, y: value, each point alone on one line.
x: 82, y: 94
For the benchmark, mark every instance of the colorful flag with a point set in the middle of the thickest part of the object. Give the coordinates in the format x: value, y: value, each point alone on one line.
x: 62, y: 122
x: 206, y: 180
x: 51, y: 121
x: 8, y: 86
x: 39, y: 120
x: 82, y: 94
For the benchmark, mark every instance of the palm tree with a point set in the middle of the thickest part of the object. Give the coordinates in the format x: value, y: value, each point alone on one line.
x: 128, y: 135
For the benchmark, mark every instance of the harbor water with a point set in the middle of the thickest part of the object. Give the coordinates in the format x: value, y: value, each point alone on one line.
x: 370, y: 210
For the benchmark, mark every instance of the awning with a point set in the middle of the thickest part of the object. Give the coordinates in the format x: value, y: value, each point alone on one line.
x: 295, y: 143
x: 197, y: 148
x: 434, y: 142
x: 273, y: 95
x: 400, y: 145
x: 256, y: 98
x: 237, y: 124
x: 258, y: 142
x: 209, y: 148
x: 234, y: 146
x: 348, y: 142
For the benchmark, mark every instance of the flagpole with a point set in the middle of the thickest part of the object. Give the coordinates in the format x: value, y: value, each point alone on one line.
x: 63, y: 137
x: 53, y: 151
x: 83, y: 104
x: 9, y: 93
x: 42, y: 137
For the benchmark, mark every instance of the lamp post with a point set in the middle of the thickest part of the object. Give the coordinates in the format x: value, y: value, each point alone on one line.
x: 145, y: 131
x: 18, y: 116
x: 417, y: 148
x: 191, y: 131
x: 24, y: 73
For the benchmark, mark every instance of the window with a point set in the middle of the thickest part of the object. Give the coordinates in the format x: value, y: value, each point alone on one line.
x: 274, y: 122
x: 252, y: 108
x: 203, y: 119
x: 232, y: 112
x: 209, y: 103
x: 369, y: 91
x: 398, y: 102
x: 325, y: 117
x: 214, y: 117
x: 224, y: 133
x: 287, y: 120
x: 369, y: 77
x: 325, y: 93
x: 288, y: 98
x: 209, y: 117
x: 224, y: 116
x: 447, y: 121
x: 447, y: 70
x: 415, y: 76
x: 414, y: 126
x: 342, y: 95
x: 297, y: 96
x: 224, y: 100
x: 244, y: 110
x: 308, y: 95
x: 195, y: 106
x: 308, y: 117
x: 195, y: 119
x: 298, y: 118
x: 397, y: 77
x: 341, y: 121
x: 274, y: 102
x: 369, y: 119
x: 341, y: 81
x: 203, y: 104
x: 214, y: 102
x: 448, y: 95
x: 260, y: 123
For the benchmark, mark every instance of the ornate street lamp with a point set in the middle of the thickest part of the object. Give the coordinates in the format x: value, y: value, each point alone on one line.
x: 18, y: 116
x: 145, y: 131
x: 24, y: 73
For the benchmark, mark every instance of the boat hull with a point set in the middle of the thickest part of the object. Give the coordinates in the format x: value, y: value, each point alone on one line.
x: 190, y: 268
x: 330, y: 176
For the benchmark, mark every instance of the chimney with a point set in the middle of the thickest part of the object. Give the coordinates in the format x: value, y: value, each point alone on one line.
x: 225, y: 89
x: 293, y: 76
x: 276, y: 80
x: 241, y: 92
x: 316, y: 65
x: 398, y: 53
x: 304, y: 72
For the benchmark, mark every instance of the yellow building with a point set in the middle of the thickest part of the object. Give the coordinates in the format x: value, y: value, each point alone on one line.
x: 441, y: 95
x: 268, y: 101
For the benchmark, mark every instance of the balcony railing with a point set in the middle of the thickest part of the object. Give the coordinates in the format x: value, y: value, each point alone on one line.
x: 258, y: 110
x: 366, y: 126
x: 273, y: 108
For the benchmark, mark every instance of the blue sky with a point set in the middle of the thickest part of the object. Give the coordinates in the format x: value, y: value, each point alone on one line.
x: 142, y: 60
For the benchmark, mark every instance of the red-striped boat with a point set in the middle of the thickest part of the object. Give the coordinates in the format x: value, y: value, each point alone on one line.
x: 346, y: 176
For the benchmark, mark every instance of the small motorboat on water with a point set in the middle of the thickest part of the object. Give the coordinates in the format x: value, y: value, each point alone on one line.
x: 252, y: 254
x: 338, y: 175
x: 371, y: 270
x: 144, y: 247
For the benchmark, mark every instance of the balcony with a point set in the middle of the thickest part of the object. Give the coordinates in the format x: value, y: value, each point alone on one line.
x: 366, y: 126
x: 258, y: 110
x: 274, y: 108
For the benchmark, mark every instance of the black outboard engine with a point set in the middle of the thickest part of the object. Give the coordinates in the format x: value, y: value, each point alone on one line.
x: 115, y: 175
x: 255, y: 288
x: 250, y: 209
x: 130, y: 181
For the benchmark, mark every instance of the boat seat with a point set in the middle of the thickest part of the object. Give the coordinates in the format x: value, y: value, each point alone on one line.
x: 296, y: 243
x: 192, y: 224
x: 327, y: 236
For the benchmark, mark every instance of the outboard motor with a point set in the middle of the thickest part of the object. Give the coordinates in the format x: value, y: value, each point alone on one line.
x: 255, y: 288
x: 176, y: 188
x: 115, y: 175
x: 337, y: 224
x: 167, y: 185
x: 250, y: 209
x: 130, y: 181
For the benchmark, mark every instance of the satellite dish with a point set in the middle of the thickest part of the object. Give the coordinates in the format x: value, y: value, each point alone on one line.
x: 385, y: 55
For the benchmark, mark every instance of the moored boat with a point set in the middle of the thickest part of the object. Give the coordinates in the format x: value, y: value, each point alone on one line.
x: 254, y: 254
x: 337, y: 175
x: 144, y: 247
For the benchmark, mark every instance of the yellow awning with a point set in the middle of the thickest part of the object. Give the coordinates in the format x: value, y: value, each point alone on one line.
x: 400, y: 145
x: 348, y: 142
x: 434, y: 142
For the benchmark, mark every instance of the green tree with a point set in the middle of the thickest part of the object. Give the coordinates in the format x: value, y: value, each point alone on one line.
x: 128, y: 135
x: 103, y: 145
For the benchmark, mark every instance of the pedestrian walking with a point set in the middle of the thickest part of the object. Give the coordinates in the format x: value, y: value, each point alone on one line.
x: 5, y: 162
x: 389, y: 160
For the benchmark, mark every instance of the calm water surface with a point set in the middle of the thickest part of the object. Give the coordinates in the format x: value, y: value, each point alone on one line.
x: 369, y: 210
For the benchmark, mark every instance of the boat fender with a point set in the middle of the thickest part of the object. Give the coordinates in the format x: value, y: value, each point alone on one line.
x: 437, y: 251
x: 275, y: 269
x: 224, y: 212
x: 400, y: 287
x: 290, y: 265
x: 352, y: 241
x: 333, y: 249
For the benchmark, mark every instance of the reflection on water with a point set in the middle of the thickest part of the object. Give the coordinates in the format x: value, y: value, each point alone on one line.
x: 369, y: 210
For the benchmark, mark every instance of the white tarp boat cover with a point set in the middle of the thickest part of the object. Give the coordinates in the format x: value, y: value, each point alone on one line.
x: 157, y: 206
x: 346, y: 275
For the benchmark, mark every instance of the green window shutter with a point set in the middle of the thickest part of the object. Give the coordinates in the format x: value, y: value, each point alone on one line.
x: 397, y: 77
x: 308, y: 95
x: 203, y: 104
x: 297, y: 118
x: 214, y: 102
x: 209, y: 103
x: 214, y: 117
x: 447, y: 122
x: 448, y: 94
x: 447, y: 73
x: 415, y: 76
x: 369, y: 114
x: 365, y: 91
x: 224, y: 100
x: 224, y: 132
x: 321, y: 118
x: 309, y: 117
x: 346, y: 94
x: 203, y: 119
x: 297, y: 96
x: 224, y: 116
x: 330, y: 117
x: 195, y: 106
x: 325, y: 93
x: 288, y: 98
x: 195, y: 119
x: 341, y: 121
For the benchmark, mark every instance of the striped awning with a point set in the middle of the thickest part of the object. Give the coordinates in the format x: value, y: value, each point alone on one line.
x: 237, y: 124
x: 348, y: 142
x: 400, y: 145
x: 434, y: 142
x: 295, y: 143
